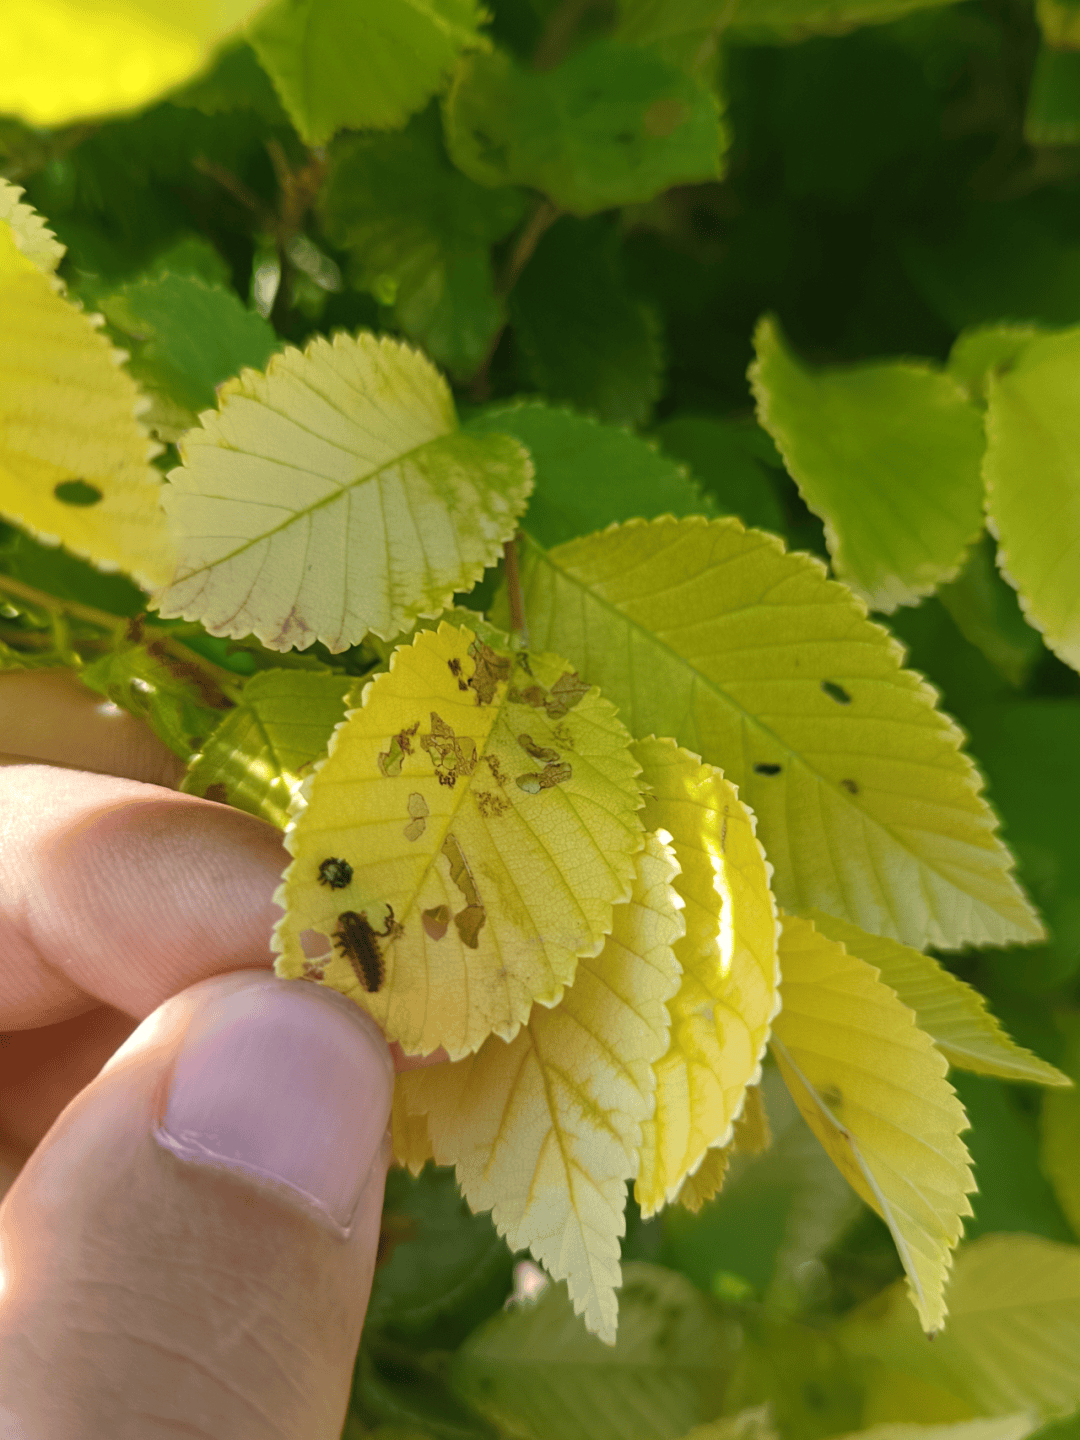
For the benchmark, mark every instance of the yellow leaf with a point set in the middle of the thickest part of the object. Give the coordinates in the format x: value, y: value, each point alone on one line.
x: 753, y: 1424
x: 728, y: 994
x: 409, y: 1133
x: 751, y: 1136
x: 544, y: 1131
x: 865, y: 803
x: 1013, y: 1335
x: 1009, y: 1427
x: 872, y: 1087
x: 32, y: 236
x: 67, y: 59
x: 73, y: 457
x: 334, y: 495
x: 953, y: 1014
x: 486, y: 807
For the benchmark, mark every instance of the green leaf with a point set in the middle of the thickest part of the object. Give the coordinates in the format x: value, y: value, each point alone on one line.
x: 1033, y: 485
x: 763, y: 20
x: 685, y: 32
x: 1009, y: 1427
x: 987, y: 613
x: 866, y: 806
x: 734, y: 464
x: 800, y: 1373
x: 484, y: 808
x: 179, y: 701
x: 185, y: 338
x: 888, y: 455
x: 361, y: 64
x: 1013, y: 1333
x: 257, y: 757
x: 984, y: 349
x: 872, y: 1087
x: 582, y: 336
x: 953, y: 1014
x: 587, y: 474
x: 535, y: 1372
x: 1053, y: 113
x: 333, y: 496
x: 611, y: 125
x: 447, y: 1269
x: 1060, y: 1137
x: 420, y: 234
x: 755, y: 1424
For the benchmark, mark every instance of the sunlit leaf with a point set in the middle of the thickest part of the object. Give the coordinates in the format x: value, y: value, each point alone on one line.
x: 74, y: 460
x: 1013, y: 1333
x: 66, y: 59
x: 1008, y: 1427
x: 754, y: 1424
x: 866, y: 805
x: 536, y: 1374
x: 872, y: 1088
x: 544, y: 1131
x: 750, y: 1135
x: 486, y: 810
x: 361, y: 64
x: 1033, y: 485
x: 953, y: 1014
x: 728, y: 992
x: 1059, y: 1125
x: 611, y: 125
x: 257, y: 757
x: 334, y: 495
x: 32, y: 236
x: 887, y: 454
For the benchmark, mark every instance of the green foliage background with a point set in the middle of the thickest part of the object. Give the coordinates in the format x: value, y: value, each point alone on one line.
x: 879, y: 181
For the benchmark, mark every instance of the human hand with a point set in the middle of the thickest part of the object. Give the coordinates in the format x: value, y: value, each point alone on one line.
x: 147, y: 1289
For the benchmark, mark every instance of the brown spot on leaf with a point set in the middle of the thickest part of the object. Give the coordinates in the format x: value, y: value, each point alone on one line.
x: 491, y: 669
x: 436, y: 921
x: 568, y: 691
x: 392, y: 759
x: 663, y: 118
x: 218, y: 793
x: 491, y: 806
x: 537, y: 752
x: 450, y: 756
x: 469, y: 921
x: 551, y: 775
x: 851, y: 786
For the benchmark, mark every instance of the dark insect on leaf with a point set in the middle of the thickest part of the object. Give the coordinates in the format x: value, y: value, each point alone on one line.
x: 335, y: 873
x: 358, y: 942
x: 767, y: 769
x: 836, y: 692
x: 77, y: 492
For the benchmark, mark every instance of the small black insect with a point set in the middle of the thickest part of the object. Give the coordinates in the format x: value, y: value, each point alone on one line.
x: 335, y: 873
x: 836, y: 692
x: 359, y: 943
x: 767, y: 769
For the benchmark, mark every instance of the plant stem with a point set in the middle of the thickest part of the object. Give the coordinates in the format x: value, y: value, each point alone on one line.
x: 518, y: 624
x: 532, y: 232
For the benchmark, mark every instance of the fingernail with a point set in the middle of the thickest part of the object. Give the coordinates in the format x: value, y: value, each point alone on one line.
x: 286, y: 1082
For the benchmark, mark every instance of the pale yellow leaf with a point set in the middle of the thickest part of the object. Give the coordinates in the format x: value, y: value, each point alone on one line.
x: 32, y: 236
x: 74, y: 460
x: 707, y: 1180
x: 334, y: 495
x: 409, y: 1134
x: 487, y: 809
x: 953, y: 1014
x: 67, y: 59
x: 544, y: 1131
x: 1008, y: 1427
x: 1013, y: 1335
x: 872, y: 1087
x: 729, y: 988
x: 754, y: 1424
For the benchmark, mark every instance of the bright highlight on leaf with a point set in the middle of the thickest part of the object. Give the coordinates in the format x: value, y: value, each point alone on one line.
x: 32, y: 236
x: 888, y: 455
x: 872, y: 1088
x: 257, y: 757
x: 487, y: 808
x: 544, y: 1131
x: 334, y: 495
x: 866, y: 805
x: 1008, y: 1427
x: 953, y: 1014
x: 68, y: 59
x: 361, y: 64
x: 728, y: 994
x: 74, y: 460
x: 1033, y: 485
x: 1013, y: 1333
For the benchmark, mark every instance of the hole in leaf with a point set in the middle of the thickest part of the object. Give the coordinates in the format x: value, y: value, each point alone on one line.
x: 836, y: 692
x: 77, y: 492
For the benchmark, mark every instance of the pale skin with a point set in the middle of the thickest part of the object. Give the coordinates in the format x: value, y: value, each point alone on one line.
x: 142, y: 1296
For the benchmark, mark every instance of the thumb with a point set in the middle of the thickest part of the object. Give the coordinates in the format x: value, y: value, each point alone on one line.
x: 190, y: 1248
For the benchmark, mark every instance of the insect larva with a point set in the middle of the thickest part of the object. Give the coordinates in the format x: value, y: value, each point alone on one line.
x: 359, y: 943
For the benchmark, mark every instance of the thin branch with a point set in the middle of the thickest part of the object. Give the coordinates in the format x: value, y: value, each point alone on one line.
x: 532, y: 232
x: 518, y: 625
